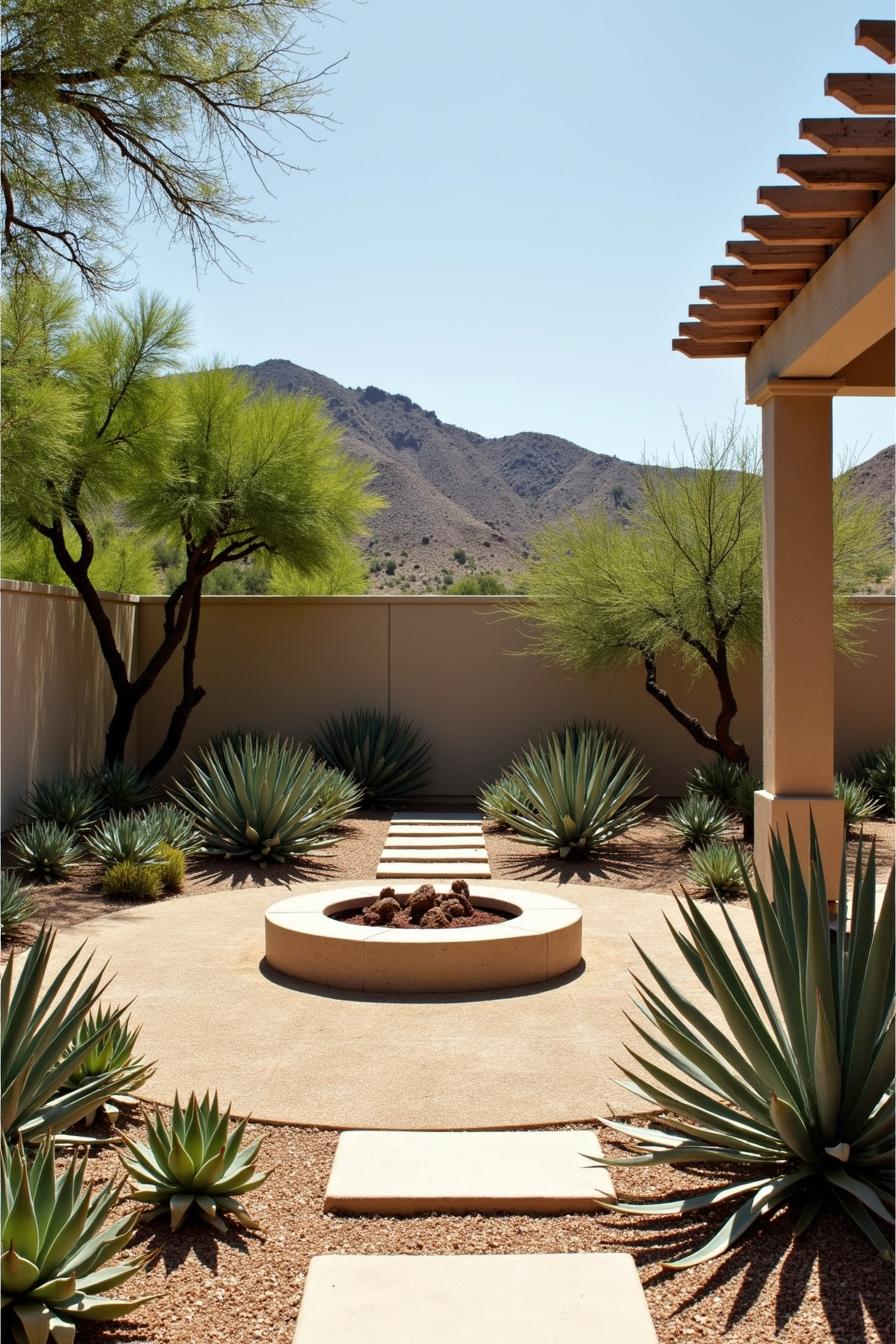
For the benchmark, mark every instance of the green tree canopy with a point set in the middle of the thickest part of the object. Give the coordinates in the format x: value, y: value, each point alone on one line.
x: 195, y: 460
x: 146, y: 102
x: 684, y: 580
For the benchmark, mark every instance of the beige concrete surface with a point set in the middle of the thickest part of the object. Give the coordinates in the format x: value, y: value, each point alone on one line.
x: 430, y: 870
x: 214, y: 1016
x: 474, y: 1299
x: 437, y: 845
x: 515, y: 1171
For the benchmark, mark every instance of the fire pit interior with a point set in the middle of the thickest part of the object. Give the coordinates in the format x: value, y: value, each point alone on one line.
x: 423, y: 908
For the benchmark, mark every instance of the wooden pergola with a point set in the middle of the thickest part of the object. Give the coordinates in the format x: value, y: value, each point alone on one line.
x: 810, y: 306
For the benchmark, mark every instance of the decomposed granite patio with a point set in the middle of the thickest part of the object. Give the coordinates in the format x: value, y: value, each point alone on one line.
x: 215, y: 1016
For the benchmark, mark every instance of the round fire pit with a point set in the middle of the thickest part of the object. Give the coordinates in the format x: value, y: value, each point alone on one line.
x: 540, y: 938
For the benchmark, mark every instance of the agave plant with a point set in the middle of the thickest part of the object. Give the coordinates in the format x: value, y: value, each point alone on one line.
x: 264, y: 799
x: 45, y: 851
x: 717, y: 779
x: 877, y: 771
x: 57, y: 1247
x: 799, y: 1081
x: 858, y: 805
x: 72, y: 801
x: 717, y: 869
x: 696, y: 818
x: 127, y: 837
x: 496, y: 800
x: 38, y: 1030
x: 121, y: 787
x: 109, y: 1053
x: 16, y: 902
x: 177, y: 827
x: 571, y: 794
x: 194, y: 1161
x: 384, y: 754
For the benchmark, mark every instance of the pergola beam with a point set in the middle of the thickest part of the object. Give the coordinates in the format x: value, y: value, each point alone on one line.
x: 724, y: 297
x: 702, y: 331
x: 794, y: 232
x: 863, y: 93
x: 703, y: 350
x: 879, y: 36
x: 712, y: 316
x: 850, y: 135
x: 761, y: 257
x: 836, y: 172
x: 741, y: 277
x: 800, y: 203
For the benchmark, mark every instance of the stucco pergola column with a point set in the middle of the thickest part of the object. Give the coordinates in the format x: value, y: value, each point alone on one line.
x: 798, y: 624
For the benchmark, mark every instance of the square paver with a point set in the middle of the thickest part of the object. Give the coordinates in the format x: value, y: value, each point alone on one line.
x: 516, y: 1171
x: 430, y: 870
x: 474, y: 1299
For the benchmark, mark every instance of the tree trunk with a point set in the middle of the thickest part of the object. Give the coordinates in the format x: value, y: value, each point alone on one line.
x: 721, y: 741
x: 190, y: 693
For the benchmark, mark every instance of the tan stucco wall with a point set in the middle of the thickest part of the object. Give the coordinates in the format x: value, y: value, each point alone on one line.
x: 284, y: 663
x: 55, y: 689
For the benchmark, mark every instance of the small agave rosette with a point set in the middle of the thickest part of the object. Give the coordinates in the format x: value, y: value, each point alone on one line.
x: 194, y: 1161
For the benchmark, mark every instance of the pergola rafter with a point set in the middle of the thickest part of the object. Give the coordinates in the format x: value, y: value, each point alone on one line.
x: 834, y: 190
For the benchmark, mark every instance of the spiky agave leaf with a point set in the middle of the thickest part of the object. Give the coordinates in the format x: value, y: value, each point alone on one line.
x: 122, y: 787
x: 127, y: 837
x: 110, y: 1054
x: 384, y: 754
x: 17, y: 903
x: 572, y: 793
x: 72, y: 801
x: 177, y: 827
x: 697, y: 818
x: 858, y: 804
x: 38, y: 1029
x: 876, y: 770
x: 496, y: 800
x: 57, y: 1246
x: 194, y: 1161
x: 799, y: 1081
x: 717, y: 868
x: 265, y: 799
x: 44, y: 851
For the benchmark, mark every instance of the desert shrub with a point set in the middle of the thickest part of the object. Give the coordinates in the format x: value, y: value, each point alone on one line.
x: 460, y: 555
x: 383, y: 753
x: 131, y: 837
x: 485, y: 585
x: 17, y: 904
x: 130, y: 880
x: 798, y: 1085
x: 71, y: 801
x: 572, y: 792
x: 876, y: 770
x: 858, y: 805
x: 44, y: 851
x: 390, y: 566
x: 121, y: 787
x: 719, y: 779
x: 717, y: 869
x: 176, y: 827
x: 264, y: 799
x: 696, y: 818
x: 171, y: 865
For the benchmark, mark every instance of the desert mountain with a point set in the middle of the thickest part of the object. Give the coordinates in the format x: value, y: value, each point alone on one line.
x: 460, y: 503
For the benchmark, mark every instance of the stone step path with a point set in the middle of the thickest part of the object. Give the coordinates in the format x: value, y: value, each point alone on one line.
x: 430, y: 845
x: 590, y: 1298
x: 408, y: 1172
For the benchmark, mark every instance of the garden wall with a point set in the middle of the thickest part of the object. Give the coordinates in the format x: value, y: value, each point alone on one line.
x: 451, y: 664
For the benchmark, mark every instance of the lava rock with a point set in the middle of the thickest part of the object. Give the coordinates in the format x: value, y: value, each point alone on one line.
x: 382, y: 911
x: 422, y: 900
x: 454, y: 907
x: 435, y: 918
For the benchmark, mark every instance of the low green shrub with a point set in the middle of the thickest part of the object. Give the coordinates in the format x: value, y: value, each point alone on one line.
x: 798, y: 1083
x: 122, y: 787
x: 858, y: 805
x: 717, y: 869
x: 264, y: 799
x: 171, y: 865
x: 876, y: 770
x: 71, y: 801
x: 131, y: 880
x: 696, y: 819
x: 44, y: 851
x: 384, y: 754
x: 127, y: 837
x: 572, y: 792
x: 17, y: 905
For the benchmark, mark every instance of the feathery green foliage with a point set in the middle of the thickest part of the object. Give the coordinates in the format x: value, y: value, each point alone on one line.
x: 717, y: 869
x: 71, y: 801
x: 17, y: 904
x: 40, y: 1027
x: 799, y: 1083
x: 44, y: 851
x: 122, y: 787
x: 476, y: 585
x: 343, y: 573
x: 683, y: 582
x: 126, y: 837
x: 384, y: 754
x: 117, y: 112
x: 130, y: 880
x: 697, y: 818
x: 194, y: 1162
x: 110, y: 1053
x: 58, y: 1245
x: 268, y: 800
x: 572, y: 791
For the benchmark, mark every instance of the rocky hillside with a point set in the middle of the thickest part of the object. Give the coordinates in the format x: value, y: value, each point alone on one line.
x: 460, y: 503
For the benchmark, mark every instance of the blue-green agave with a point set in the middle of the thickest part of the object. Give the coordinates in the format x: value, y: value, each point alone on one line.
x: 383, y: 753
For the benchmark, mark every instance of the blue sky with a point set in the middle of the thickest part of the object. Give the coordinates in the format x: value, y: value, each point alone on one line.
x: 517, y: 205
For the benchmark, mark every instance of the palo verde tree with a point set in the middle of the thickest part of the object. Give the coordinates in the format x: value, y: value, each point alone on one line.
x: 92, y: 430
x: 146, y: 101
x: 683, y: 582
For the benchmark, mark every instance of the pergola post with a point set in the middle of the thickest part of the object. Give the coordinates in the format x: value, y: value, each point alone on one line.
x: 798, y: 624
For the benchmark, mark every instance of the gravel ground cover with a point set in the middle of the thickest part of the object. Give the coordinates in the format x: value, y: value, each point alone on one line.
x: 244, y: 1286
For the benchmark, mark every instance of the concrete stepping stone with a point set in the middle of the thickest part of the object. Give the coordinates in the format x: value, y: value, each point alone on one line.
x: 414, y: 855
x: 474, y: 1299
x: 405, y: 818
x: 444, y: 833
x: 419, y: 1172
x: 470, y: 869
x: 434, y: 841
